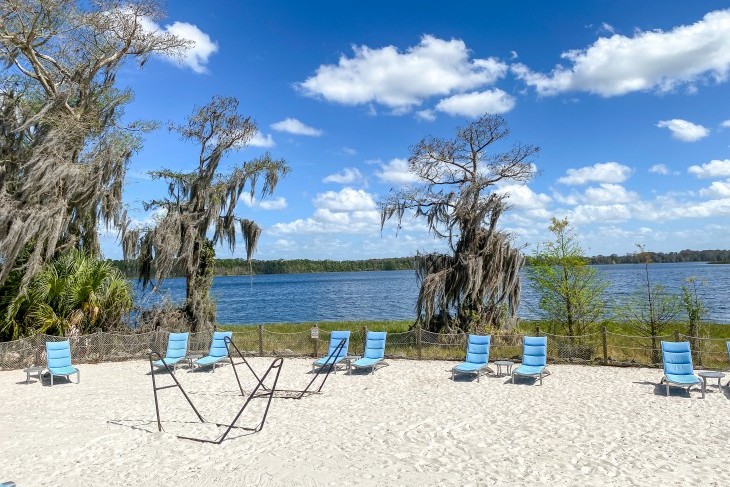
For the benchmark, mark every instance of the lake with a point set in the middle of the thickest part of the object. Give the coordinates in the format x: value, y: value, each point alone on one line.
x: 391, y: 295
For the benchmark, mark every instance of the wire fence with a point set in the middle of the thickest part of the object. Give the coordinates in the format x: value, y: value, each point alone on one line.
x: 601, y: 348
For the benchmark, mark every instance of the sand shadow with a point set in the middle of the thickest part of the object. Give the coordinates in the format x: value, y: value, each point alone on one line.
x: 150, y: 426
x: 524, y: 380
x: 674, y: 391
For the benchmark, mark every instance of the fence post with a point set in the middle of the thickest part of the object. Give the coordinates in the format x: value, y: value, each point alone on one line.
x: 157, y: 337
x: 605, y: 345
x: 101, y: 344
x: 537, y: 330
x: 316, y: 342
x: 37, y: 349
x: 364, y: 338
x: 261, y: 340
x: 419, y: 341
x: 676, y: 335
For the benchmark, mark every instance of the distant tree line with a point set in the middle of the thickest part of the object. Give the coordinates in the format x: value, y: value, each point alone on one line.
x: 662, y: 257
x: 240, y: 267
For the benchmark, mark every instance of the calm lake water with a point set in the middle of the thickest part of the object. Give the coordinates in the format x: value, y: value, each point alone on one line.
x: 391, y: 295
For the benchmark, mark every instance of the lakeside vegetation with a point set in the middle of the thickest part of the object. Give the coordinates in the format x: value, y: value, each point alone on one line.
x: 240, y: 267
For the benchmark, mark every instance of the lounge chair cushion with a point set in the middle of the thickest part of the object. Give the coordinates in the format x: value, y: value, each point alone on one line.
x: 208, y: 360
x: 529, y: 369
x: 469, y: 367
x: 67, y: 370
x: 328, y: 360
x: 682, y: 379
x: 169, y: 361
x: 366, y: 362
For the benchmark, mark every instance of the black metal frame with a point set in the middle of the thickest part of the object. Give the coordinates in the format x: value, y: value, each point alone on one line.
x: 275, y: 365
x: 285, y: 393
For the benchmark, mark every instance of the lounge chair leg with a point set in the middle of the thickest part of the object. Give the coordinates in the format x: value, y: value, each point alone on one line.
x: 513, y: 378
x: 540, y: 378
x: 78, y: 377
x: 51, y: 380
x: 667, y: 389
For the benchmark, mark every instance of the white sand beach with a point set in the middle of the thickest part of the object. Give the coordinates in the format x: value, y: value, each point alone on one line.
x: 408, y: 424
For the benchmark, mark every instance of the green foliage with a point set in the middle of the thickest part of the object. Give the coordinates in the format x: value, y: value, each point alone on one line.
x: 652, y: 307
x: 693, y: 304
x: 570, y: 291
x: 74, y: 293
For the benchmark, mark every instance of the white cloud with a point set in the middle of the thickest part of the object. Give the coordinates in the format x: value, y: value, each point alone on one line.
x: 348, y: 175
x: 609, y: 194
x: 725, y: 124
x: 396, y: 171
x: 272, y: 204
x: 522, y: 197
x: 345, y: 211
x: 684, y: 130
x: 294, y: 126
x: 402, y: 80
x: 349, y: 151
x: 477, y: 103
x: 659, y: 169
x: 426, y: 115
x: 261, y: 140
x: 654, y: 60
x: 201, y: 47
x: 718, y: 189
x: 713, y: 169
x: 347, y: 199
x: 607, y: 172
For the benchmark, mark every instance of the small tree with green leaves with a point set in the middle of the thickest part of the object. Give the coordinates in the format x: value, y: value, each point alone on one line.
x: 652, y: 307
x: 570, y: 291
x: 696, y: 309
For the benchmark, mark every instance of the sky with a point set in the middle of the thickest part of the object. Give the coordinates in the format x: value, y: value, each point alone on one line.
x: 628, y: 101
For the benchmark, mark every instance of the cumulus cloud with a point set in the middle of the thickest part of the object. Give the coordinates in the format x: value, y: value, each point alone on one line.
x: 196, y: 55
x: 402, y: 80
x: 348, y: 175
x: 477, y: 103
x: 427, y: 115
x: 684, y: 130
x: 718, y: 189
x: 294, y: 126
x: 347, y: 199
x: 714, y: 169
x: 659, y: 169
x: 261, y: 140
x: 345, y: 211
x: 522, y: 197
x: 725, y: 124
x: 609, y: 194
x: 396, y: 171
x: 269, y: 204
x: 606, y: 172
x: 654, y: 60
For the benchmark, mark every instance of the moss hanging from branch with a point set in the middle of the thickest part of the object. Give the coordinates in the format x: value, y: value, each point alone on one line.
x: 471, y: 287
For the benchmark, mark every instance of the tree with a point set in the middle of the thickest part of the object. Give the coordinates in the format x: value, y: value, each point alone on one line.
x: 75, y: 293
x: 570, y: 290
x: 200, y: 201
x: 696, y: 309
x: 457, y: 197
x: 652, y: 307
x: 64, y: 149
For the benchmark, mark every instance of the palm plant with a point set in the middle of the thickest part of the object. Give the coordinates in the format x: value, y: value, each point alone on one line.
x: 74, y: 293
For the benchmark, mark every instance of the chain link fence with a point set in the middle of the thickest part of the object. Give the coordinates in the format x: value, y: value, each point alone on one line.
x: 603, y: 347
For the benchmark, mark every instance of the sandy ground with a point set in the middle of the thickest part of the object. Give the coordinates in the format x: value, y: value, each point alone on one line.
x: 408, y: 424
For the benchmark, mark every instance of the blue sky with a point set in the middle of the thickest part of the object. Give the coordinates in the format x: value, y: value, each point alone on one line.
x: 627, y: 100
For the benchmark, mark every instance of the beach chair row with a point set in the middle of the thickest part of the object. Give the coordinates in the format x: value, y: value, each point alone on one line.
x: 676, y: 357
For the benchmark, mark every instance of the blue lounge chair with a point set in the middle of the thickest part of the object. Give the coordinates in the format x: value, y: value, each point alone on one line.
x: 678, y: 370
x: 218, y: 350
x: 335, y: 354
x: 58, y: 355
x: 534, y: 358
x: 177, y: 348
x: 374, y: 351
x: 477, y: 357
